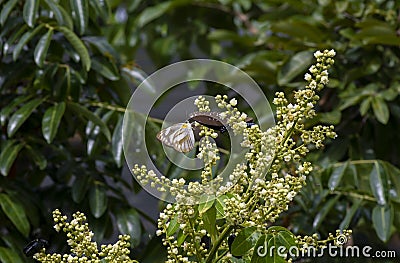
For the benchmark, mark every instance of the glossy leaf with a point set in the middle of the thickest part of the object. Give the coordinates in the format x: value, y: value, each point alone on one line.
x: 51, y: 121
x: 349, y: 214
x: 128, y: 222
x: 7, y: 8
x: 296, y: 66
x: 8, y: 155
x: 16, y: 213
x: 26, y: 37
x: 37, y: 157
x: 336, y: 176
x: 5, y: 112
x: 42, y: 47
x: 381, y: 109
x: 21, y: 115
x: 62, y: 17
x: 220, y: 206
x: 260, y: 251
x: 98, y: 199
x: 382, y: 218
x: 244, y: 241
x: 209, y: 219
x: 30, y: 11
x: 9, y: 255
x: 116, y: 142
x: 78, y: 45
x: 77, y: 108
x: 80, y: 14
x: 378, y: 179
x: 173, y: 226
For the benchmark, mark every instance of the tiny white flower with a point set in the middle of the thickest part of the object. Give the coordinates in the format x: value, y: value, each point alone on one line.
x: 233, y: 102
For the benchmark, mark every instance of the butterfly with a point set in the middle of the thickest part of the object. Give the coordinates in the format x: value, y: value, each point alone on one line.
x: 179, y: 136
x: 35, y: 246
x: 213, y: 120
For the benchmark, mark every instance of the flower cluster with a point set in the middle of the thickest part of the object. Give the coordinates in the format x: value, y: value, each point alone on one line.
x: 261, y: 185
x: 83, y: 249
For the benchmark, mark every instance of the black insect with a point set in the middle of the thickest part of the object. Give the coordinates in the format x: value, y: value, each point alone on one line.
x: 206, y: 241
x: 213, y: 120
x: 35, y: 246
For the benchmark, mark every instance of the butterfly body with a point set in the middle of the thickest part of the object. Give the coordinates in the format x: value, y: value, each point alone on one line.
x: 35, y: 246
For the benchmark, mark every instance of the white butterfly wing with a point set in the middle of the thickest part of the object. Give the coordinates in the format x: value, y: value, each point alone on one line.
x: 179, y: 136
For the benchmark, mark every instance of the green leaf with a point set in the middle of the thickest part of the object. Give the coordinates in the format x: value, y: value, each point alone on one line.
x: 349, y: 214
x: 297, y: 64
x: 90, y: 116
x: 80, y: 187
x: 80, y: 14
x: 153, y: 12
x: 106, y: 68
x: 209, y: 219
x: 378, y: 183
x: 336, y: 176
x: 5, y: 111
x: 30, y: 11
x: 51, y: 121
x: 260, y: 251
x: 42, y: 47
x: 21, y: 115
x: 8, y: 255
x: 37, y: 157
x: 98, y: 199
x: 116, y: 142
x: 8, y: 154
x: 220, y: 206
x: 173, y: 226
x: 381, y: 109
x: 128, y: 222
x: 102, y: 8
x: 323, y: 212
x: 24, y: 40
x: 365, y: 105
x: 244, y: 241
x: 78, y: 46
x: 382, y: 218
x: 206, y: 202
x: 62, y: 17
x: 7, y: 8
x: 16, y: 213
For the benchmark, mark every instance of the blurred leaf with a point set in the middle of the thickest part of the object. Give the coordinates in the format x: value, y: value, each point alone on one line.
x: 139, y: 77
x: 98, y: 199
x: 323, y: 212
x: 128, y: 222
x: 8, y: 255
x: 296, y: 65
x: 378, y: 179
x: 7, y: 8
x: 102, y: 8
x: 209, y: 219
x: 51, y: 121
x: 42, y: 47
x: 80, y: 14
x: 220, y: 206
x: 103, y: 46
x: 16, y: 213
x: 37, y: 157
x: 62, y: 17
x: 153, y: 12
x: 78, y: 46
x: 77, y: 108
x: 336, y: 176
x: 381, y: 110
x: 21, y: 115
x: 349, y: 214
x: 26, y: 37
x: 116, y: 142
x: 365, y: 105
x: 7, y: 157
x: 30, y: 11
x: 382, y: 218
x: 244, y: 241
x: 106, y: 68
x: 80, y: 187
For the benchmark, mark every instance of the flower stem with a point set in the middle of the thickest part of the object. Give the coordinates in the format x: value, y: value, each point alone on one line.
x: 215, y: 246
